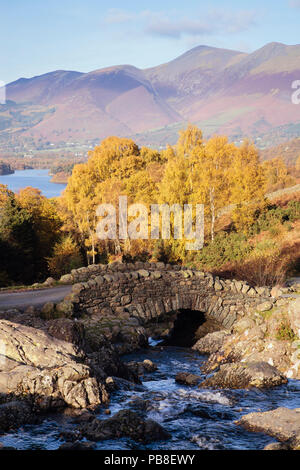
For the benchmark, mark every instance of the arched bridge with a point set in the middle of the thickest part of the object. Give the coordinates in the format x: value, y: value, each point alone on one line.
x: 151, y: 291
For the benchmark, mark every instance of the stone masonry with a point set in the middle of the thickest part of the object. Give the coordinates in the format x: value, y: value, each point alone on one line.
x: 151, y: 291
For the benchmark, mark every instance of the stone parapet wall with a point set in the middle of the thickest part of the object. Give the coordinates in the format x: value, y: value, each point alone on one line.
x: 149, y: 291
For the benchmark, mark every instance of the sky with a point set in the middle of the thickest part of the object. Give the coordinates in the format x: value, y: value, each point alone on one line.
x: 39, y: 36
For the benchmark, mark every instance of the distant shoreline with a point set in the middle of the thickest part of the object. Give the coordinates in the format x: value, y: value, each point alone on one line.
x: 59, y: 178
x: 35, y: 178
x: 6, y: 169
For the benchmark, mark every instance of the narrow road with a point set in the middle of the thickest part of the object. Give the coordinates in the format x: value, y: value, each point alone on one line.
x: 37, y: 298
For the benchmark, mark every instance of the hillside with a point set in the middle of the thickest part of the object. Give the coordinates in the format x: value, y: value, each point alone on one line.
x: 289, y: 151
x: 220, y: 90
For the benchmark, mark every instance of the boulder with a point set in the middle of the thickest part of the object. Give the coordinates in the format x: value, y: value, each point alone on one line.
x: 48, y: 311
x: 282, y: 423
x: 64, y: 309
x: 277, y: 446
x: 149, y: 366
x: 45, y: 370
x: 31, y: 310
x: 77, y: 445
x: 243, y: 325
x: 245, y: 375
x: 143, y: 273
x: 264, y: 307
x: 185, y: 378
x: 211, y: 343
x: 66, y: 279
x: 14, y: 414
x: 294, y: 316
x: 276, y: 292
x: 50, y: 282
x: 139, y: 368
x: 106, y: 362
x: 125, y: 423
x: 67, y: 330
x: 156, y: 274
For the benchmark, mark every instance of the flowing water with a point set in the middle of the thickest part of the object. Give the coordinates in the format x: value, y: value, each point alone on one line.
x: 196, y: 419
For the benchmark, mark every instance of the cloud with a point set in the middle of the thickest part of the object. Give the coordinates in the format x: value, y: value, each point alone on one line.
x: 118, y: 16
x: 215, y: 23
x: 295, y: 3
x: 175, y: 29
x: 172, y: 25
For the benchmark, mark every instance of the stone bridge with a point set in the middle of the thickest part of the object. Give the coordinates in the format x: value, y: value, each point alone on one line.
x: 151, y: 292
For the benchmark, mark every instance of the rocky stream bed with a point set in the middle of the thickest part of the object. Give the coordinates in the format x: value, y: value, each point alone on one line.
x: 192, y: 418
x: 69, y: 383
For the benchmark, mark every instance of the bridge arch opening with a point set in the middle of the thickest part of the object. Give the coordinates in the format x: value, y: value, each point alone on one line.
x: 188, y: 327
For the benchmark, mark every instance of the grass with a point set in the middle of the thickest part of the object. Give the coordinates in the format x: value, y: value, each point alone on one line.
x: 267, y: 315
x: 11, y: 289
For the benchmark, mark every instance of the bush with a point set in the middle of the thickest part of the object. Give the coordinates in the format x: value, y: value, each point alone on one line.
x: 285, y: 332
x: 274, y: 216
x: 225, y: 248
x: 162, y: 252
x: 262, y: 270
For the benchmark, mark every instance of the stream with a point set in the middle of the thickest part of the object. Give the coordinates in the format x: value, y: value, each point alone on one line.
x: 196, y: 419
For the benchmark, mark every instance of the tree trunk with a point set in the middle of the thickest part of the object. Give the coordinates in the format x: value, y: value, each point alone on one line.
x: 212, y: 210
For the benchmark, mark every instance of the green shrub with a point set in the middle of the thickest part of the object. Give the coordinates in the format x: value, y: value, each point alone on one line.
x: 274, y: 216
x: 225, y: 248
x: 285, y: 332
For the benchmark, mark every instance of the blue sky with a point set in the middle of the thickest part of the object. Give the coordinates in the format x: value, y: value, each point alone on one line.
x: 38, y: 36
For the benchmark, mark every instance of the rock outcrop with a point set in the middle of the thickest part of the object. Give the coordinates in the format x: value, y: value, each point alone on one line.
x: 125, y: 423
x: 46, y: 370
x: 294, y: 316
x: 211, y: 343
x: 243, y: 375
x: 282, y: 423
x: 185, y: 378
x: 14, y: 414
x: 267, y: 336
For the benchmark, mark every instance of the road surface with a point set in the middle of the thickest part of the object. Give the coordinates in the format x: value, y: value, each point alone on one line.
x: 37, y: 297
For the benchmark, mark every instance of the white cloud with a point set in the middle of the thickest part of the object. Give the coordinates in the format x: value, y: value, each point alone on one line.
x: 176, y: 29
x: 173, y: 25
x: 118, y: 16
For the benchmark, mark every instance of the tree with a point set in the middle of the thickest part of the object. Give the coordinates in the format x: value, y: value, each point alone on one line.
x: 276, y: 174
x: 5, y: 194
x: 18, y: 242
x: 46, y: 223
x: 116, y: 167
x: 66, y: 256
x: 248, y: 186
x: 212, y: 173
x: 190, y: 140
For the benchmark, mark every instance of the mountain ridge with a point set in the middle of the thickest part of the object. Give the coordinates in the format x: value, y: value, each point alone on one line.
x: 223, y: 90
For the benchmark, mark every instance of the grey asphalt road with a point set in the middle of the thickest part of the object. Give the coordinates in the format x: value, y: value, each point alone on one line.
x: 37, y: 298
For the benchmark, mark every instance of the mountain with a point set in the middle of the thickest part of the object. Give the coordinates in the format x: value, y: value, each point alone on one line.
x: 220, y: 90
x: 117, y: 100
x: 288, y: 151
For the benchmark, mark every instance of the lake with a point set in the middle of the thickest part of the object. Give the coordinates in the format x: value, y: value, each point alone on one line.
x: 36, y: 178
